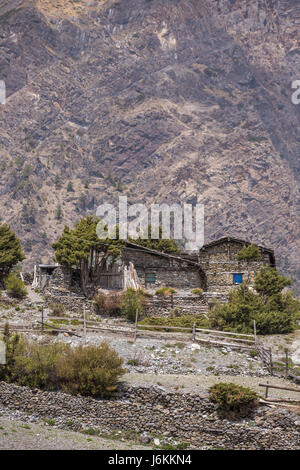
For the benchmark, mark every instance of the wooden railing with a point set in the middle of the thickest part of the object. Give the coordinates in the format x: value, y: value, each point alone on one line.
x: 278, y: 387
x: 213, y: 338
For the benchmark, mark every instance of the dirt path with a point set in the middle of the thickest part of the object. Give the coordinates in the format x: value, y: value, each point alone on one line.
x: 17, y: 435
x: 34, y: 296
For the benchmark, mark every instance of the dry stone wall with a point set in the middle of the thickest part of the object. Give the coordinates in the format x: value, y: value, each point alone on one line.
x: 188, y: 417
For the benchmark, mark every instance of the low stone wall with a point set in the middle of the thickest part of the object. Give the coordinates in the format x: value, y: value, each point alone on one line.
x: 71, y: 302
x: 187, y: 417
x: 186, y: 305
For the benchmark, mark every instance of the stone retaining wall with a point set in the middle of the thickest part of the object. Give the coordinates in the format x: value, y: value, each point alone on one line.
x: 71, y: 302
x: 187, y: 305
x: 187, y: 417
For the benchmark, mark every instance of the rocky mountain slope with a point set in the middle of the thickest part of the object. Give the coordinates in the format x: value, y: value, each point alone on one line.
x: 159, y: 100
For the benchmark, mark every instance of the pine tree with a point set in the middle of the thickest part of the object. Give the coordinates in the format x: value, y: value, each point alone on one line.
x: 59, y: 213
x: 82, y: 248
x: 164, y: 245
x: 10, y: 251
x: 70, y: 188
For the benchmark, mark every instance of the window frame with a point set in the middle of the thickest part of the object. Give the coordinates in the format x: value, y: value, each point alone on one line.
x: 240, y: 276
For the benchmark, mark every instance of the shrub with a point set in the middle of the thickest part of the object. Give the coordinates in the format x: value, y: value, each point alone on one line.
x: 232, y: 398
x: 91, y: 370
x: 197, y: 291
x: 165, y: 291
x: 15, y: 287
x: 270, y: 323
x: 109, y: 304
x: 132, y: 301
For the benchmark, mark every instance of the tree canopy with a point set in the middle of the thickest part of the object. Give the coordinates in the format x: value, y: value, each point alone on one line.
x: 10, y: 251
x: 273, y: 310
x: 249, y: 253
x: 269, y: 282
x: 164, y: 245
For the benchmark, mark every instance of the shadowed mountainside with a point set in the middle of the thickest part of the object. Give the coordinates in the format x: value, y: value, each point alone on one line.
x: 159, y: 100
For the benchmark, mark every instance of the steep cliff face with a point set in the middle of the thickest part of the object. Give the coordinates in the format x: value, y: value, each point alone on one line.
x: 161, y: 100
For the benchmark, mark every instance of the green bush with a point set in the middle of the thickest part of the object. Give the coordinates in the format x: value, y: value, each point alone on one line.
x: 274, y: 312
x: 270, y: 323
x: 15, y: 287
x: 90, y: 371
x: 132, y: 301
x: 232, y: 397
x: 165, y: 291
x: 197, y: 291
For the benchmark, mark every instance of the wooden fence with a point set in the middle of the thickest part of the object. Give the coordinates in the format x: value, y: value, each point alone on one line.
x: 278, y: 387
x: 213, y: 338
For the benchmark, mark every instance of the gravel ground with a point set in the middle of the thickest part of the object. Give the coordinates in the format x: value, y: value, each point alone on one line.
x: 201, y: 383
x: 16, y: 434
x: 159, y: 356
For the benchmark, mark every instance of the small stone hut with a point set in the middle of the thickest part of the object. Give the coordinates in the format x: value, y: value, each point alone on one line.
x: 223, y: 271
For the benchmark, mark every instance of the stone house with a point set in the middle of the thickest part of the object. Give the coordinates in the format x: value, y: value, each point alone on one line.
x: 214, y: 269
x: 223, y: 271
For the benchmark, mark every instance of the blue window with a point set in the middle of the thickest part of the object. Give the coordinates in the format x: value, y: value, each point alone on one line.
x: 237, y: 278
x: 150, y: 278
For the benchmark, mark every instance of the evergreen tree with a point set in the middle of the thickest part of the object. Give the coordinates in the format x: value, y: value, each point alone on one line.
x: 249, y: 253
x: 10, y: 251
x: 164, y: 245
x: 70, y: 188
x: 82, y: 248
x: 273, y: 311
x: 269, y: 282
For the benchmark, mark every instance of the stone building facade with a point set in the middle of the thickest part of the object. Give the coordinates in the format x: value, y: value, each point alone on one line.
x: 215, y: 269
x: 156, y: 269
x: 223, y: 270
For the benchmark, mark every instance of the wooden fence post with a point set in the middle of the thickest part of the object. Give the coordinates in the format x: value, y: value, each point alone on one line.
x: 286, y: 362
x: 194, y: 331
x: 254, y: 328
x: 42, y: 318
x: 271, y: 362
x: 84, y: 324
x: 136, y: 322
x: 267, y: 390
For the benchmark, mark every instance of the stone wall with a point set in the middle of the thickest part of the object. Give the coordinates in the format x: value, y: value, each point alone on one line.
x: 185, y: 305
x: 71, y: 302
x: 169, y: 271
x: 187, y: 417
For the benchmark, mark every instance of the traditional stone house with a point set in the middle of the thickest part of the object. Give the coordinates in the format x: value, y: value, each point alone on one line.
x: 215, y: 269
x: 223, y: 271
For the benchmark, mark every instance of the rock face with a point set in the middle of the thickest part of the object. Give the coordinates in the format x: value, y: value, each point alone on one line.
x: 159, y: 100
